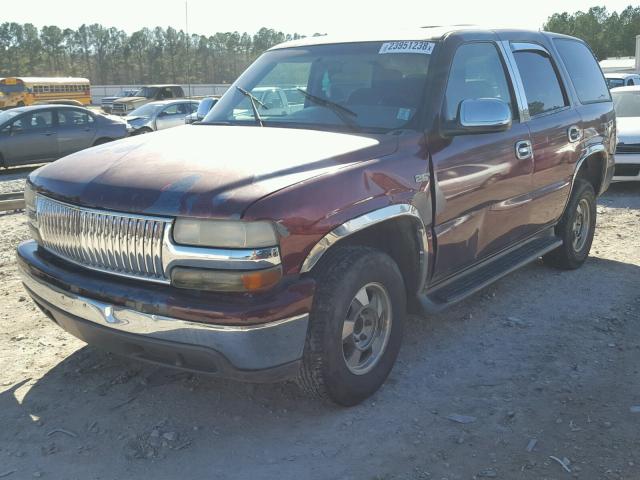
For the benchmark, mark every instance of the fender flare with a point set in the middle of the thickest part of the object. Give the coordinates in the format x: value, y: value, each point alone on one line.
x: 590, y: 151
x: 367, y: 220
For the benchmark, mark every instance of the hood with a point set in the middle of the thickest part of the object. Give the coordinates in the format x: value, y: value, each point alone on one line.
x: 628, y: 129
x: 202, y: 171
x: 131, y: 99
x: 131, y: 118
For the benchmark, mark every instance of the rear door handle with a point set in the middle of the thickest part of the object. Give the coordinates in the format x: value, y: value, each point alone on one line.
x: 574, y: 133
x: 47, y: 134
x: 524, y: 150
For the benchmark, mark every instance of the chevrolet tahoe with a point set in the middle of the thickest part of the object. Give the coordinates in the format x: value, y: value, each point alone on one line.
x: 266, y: 244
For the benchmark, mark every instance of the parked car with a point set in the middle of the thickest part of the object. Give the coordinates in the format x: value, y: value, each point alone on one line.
x: 421, y: 167
x: 43, y: 133
x: 271, y: 98
x: 204, y: 106
x: 626, y: 101
x: 159, y: 115
x: 148, y: 94
x: 107, y: 102
x: 615, y: 80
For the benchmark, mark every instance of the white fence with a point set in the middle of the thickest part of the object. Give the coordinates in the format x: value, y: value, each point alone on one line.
x: 199, y: 90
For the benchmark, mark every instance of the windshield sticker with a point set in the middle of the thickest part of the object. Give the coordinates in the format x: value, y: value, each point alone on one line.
x: 408, y: 46
x: 404, y: 114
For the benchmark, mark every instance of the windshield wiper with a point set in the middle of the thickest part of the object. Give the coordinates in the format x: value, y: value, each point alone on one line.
x: 253, y: 100
x: 341, y: 111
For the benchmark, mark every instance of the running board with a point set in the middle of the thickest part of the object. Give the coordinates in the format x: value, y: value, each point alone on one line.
x: 441, y: 296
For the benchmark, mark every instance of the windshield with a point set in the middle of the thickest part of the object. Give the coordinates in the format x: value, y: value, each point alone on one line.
x: 145, y: 110
x: 11, y: 88
x: 626, y: 104
x: 371, y: 87
x: 615, y: 82
x: 148, y: 92
x: 8, y: 115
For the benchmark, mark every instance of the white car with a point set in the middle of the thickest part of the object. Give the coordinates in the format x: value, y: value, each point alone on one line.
x: 626, y: 101
x: 159, y: 115
x: 615, y: 80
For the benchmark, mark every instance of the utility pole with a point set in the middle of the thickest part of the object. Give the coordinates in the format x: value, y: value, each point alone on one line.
x: 188, y: 39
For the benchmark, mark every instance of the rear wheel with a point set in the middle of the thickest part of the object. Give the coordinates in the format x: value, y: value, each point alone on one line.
x: 576, y: 228
x: 355, y: 326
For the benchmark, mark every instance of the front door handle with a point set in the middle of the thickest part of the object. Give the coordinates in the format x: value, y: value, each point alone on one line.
x: 574, y: 133
x: 47, y: 134
x: 524, y: 150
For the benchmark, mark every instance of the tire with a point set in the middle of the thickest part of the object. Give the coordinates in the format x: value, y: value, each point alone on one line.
x: 338, y: 304
x: 20, y: 104
x: 575, y: 248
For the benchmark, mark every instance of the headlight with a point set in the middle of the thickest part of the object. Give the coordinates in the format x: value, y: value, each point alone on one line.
x: 224, y: 233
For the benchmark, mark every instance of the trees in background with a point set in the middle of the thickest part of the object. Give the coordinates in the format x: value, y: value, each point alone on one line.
x: 110, y: 56
x: 609, y: 34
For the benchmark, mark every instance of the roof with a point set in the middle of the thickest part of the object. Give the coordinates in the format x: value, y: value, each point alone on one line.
x: 173, y: 100
x: 631, y: 88
x: 429, y: 33
x: 44, y: 106
x: 417, y: 34
x: 619, y: 64
x: 623, y: 75
x: 51, y: 79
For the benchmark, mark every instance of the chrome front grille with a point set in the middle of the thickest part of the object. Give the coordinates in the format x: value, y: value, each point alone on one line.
x: 119, y: 107
x: 119, y: 243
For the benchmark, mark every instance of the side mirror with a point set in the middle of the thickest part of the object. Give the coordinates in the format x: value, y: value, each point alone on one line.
x: 483, y: 115
x: 163, y: 114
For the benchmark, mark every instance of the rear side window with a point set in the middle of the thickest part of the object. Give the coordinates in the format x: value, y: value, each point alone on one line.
x: 541, y: 85
x: 584, y: 71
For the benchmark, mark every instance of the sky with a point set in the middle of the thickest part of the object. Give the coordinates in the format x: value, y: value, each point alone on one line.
x: 323, y: 16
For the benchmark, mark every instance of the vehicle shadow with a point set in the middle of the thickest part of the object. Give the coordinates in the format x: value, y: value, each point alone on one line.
x: 622, y: 195
x: 93, y: 409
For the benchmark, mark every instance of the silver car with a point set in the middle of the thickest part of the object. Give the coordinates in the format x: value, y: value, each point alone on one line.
x: 205, y: 105
x: 43, y: 133
x: 159, y: 115
x: 626, y: 101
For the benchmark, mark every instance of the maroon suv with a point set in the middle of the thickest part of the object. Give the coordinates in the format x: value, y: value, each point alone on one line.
x: 334, y: 187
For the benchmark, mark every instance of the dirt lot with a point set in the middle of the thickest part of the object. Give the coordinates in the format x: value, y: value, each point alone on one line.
x: 544, y: 363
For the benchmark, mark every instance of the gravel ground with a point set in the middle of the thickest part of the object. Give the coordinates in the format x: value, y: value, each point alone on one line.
x: 542, y: 364
x: 12, y: 179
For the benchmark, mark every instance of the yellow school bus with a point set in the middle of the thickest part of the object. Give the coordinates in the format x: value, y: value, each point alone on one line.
x: 21, y: 91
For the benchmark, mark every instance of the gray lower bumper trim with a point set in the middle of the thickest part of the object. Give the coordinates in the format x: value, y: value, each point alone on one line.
x: 246, y: 347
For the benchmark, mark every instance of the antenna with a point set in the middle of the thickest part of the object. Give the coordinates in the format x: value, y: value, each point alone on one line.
x: 188, y: 40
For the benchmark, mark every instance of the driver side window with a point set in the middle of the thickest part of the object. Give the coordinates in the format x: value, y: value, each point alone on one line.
x: 477, y: 72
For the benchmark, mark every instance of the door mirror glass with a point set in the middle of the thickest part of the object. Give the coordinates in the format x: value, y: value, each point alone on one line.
x: 484, y: 115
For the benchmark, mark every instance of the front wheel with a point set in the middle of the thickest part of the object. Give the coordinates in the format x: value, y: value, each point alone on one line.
x: 576, y: 228
x: 355, y: 327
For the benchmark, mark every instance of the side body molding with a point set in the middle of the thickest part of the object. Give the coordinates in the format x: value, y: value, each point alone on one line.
x: 367, y: 220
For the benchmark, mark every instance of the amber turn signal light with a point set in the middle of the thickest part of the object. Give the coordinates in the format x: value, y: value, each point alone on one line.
x: 225, y: 280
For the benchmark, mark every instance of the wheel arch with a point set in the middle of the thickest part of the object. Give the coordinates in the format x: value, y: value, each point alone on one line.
x: 592, y: 166
x: 397, y: 230
x: 102, y: 140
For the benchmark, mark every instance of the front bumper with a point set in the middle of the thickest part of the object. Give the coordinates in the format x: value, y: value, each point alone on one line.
x: 261, y: 352
x: 627, y: 167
